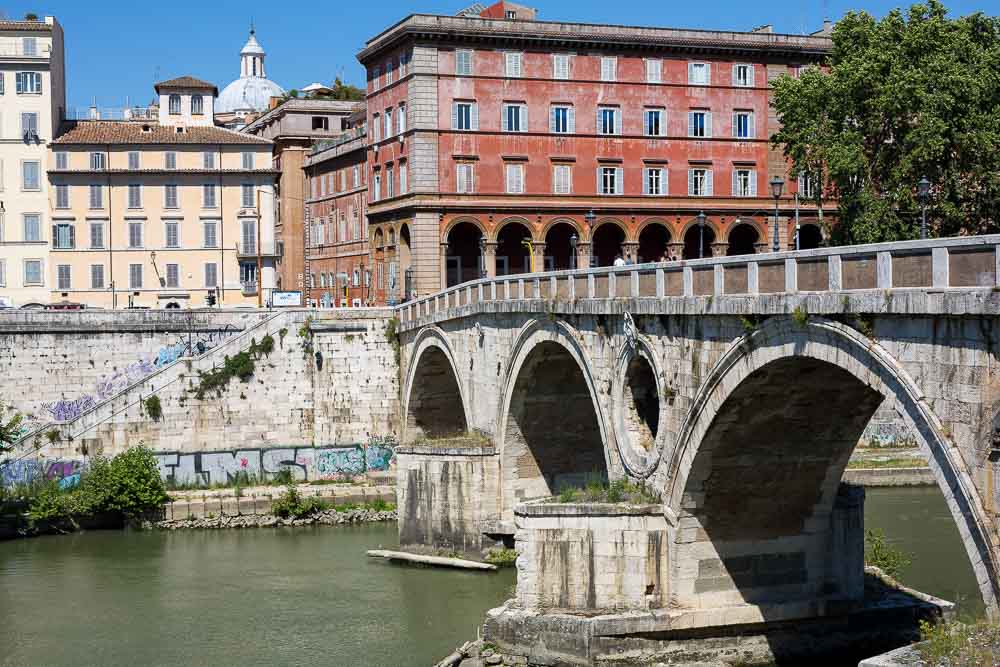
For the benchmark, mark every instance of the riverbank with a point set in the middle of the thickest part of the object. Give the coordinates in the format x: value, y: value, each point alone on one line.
x: 884, y: 467
x: 330, y: 517
x: 191, y: 504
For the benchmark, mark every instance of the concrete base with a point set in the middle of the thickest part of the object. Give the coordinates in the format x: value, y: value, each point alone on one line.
x: 887, y: 618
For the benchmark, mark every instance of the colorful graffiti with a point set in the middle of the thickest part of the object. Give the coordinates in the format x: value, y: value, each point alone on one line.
x: 26, y: 471
x: 69, y: 409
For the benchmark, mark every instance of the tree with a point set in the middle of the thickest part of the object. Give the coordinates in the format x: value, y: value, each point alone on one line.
x: 10, y: 428
x: 908, y: 96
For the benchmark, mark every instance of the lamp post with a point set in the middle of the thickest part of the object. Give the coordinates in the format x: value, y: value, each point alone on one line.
x: 482, y: 256
x: 777, y: 185
x: 573, y: 240
x: 701, y: 234
x: 591, y: 218
x: 923, y: 195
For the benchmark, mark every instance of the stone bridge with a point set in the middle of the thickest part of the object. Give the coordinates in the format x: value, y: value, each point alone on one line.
x: 735, y: 387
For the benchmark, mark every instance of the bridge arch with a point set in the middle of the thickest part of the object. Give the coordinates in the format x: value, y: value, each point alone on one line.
x: 756, y: 461
x: 435, y: 404
x: 551, y: 429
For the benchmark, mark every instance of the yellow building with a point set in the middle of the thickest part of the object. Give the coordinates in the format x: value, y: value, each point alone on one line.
x: 162, y: 213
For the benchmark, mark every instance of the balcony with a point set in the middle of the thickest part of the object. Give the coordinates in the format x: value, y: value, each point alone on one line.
x: 246, y: 250
x: 248, y: 287
x: 16, y: 51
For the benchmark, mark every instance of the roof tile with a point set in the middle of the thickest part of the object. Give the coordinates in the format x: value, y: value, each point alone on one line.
x: 82, y: 132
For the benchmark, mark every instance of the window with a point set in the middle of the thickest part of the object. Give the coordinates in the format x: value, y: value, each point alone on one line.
x: 743, y: 127
x: 248, y: 236
x: 609, y: 68
x: 655, y: 124
x: 32, y: 272
x: 96, y: 235
x: 211, y: 275
x: 174, y: 105
x: 29, y: 175
x: 744, y: 183
x: 510, y: 15
x: 28, y: 83
x: 170, y: 160
x: 515, y: 117
x: 698, y: 74
x: 376, y: 75
x: 32, y: 223
x: 248, y: 160
x: 174, y: 273
x: 135, y: 276
x: 197, y: 105
x: 560, y: 66
x: 63, y: 236
x: 29, y: 125
x: 135, y: 195
x: 30, y: 46
x: 63, y: 276
x: 654, y: 67
x: 402, y: 178
x: 357, y: 176
x: 404, y: 62
x: 654, y: 181
x: 208, y: 160
x: 562, y: 178
x: 356, y: 277
x: 170, y: 195
x: 743, y: 75
x: 465, y: 178
x: 320, y: 123
x: 172, y: 234
x: 512, y: 64
x: 247, y: 195
x: 807, y: 187
x: 515, y: 178
x: 562, y: 120
x: 401, y: 119
x: 97, y: 161
x: 700, y: 124
x: 133, y: 160
x: 96, y: 276
x: 377, y: 187
x: 62, y: 195
x: 465, y: 116
x: 208, y: 195
x: 388, y: 72
x: 463, y: 62
x: 608, y: 120
x: 388, y: 183
x: 3, y: 273
x: 700, y: 182
x: 62, y: 160
x: 96, y: 196
x: 209, y: 235
x: 135, y: 235
x: 387, y: 119
x: 609, y: 180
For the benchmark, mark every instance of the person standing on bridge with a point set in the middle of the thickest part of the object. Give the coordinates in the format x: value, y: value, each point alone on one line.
x: 619, y: 260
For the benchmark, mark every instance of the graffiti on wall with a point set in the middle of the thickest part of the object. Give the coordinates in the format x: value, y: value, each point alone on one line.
x: 106, y: 387
x: 207, y: 468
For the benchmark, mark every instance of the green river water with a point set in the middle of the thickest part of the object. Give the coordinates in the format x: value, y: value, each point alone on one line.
x: 309, y: 596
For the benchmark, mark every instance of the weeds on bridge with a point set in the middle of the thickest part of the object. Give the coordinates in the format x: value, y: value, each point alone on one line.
x: 501, y: 557
x: 879, y: 552
x: 598, y: 490
x: 960, y: 644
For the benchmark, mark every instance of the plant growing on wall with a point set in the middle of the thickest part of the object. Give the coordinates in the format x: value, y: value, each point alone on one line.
x: 10, y: 428
x: 282, y: 332
x: 392, y: 335
x: 240, y: 366
x: 153, y: 407
x: 306, y: 334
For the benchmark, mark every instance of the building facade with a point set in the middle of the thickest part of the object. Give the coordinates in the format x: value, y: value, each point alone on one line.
x: 173, y: 212
x: 295, y: 125
x: 345, y: 267
x: 33, y: 95
x: 505, y: 145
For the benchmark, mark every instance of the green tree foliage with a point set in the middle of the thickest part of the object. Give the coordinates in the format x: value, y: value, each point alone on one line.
x: 911, y: 95
x: 10, y: 428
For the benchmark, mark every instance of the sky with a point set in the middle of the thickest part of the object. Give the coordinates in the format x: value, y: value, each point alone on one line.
x: 116, y: 50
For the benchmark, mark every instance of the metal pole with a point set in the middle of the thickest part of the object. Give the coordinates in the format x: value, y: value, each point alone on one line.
x: 701, y: 238
x: 797, y: 221
x: 775, y: 246
x: 923, y: 221
x: 260, y: 291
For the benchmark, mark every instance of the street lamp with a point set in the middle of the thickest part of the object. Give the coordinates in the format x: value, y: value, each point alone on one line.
x: 482, y: 256
x: 923, y: 195
x: 777, y: 185
x: 573, y: 240
x: 701, y: 234
x: 590, y: 217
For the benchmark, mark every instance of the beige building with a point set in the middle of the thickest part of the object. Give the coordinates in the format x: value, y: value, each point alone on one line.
x: 32, y: 101
x: 162, y: 214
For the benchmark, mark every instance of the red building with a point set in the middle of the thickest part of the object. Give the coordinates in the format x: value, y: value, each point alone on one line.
x: 510, y: 144
x: 337, y: 264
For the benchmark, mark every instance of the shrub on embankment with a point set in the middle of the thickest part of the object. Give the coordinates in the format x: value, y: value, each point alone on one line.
x: 126, y: 486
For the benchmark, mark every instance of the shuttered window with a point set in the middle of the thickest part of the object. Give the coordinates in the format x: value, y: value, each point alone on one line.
x: 96, y: 235
x: 512, y: 64
x: 135, y: 235
x: 743, y: 75
x: 562, y: 175
x: 655, y: 124
x: 172, y: 231
x: 699, y: 74
x: 210, y: 236
x: 170, y: 195
x: 63, y: 275
x: 465, y: 177
x: 743, y: 125
x: 211, y: 275
x: 608, y: 120
x: 173, y: 275
x: 463, y: 62
x: 465, y: 116
x: 515, y: 178
x: 560, y: 66
x: 654, y: 181
x: 515, y: 117
x: 96, y: 276
x: 609, y: 180
x: 135, y: 195
x: 135, y: 276
x: 562, y: 119
x: 744, y: 183
x: 700, y: 124
x: 653, y: 70
x: 609, y: 68
x: 700, y: 182
x: 63, y: 236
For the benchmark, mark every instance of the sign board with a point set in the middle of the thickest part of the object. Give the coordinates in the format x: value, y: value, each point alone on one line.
x: 289, y: 299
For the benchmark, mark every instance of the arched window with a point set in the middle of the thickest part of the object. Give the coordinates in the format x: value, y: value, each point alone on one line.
x: 196, y: 105
x: 175, y: 104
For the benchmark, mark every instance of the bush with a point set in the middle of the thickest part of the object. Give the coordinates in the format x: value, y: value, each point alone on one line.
x: 502, y: 557
x: 240, y: 365
x: 153, y: 408
x: 888, y: 558
x: 381, y: 505
x: 292, y: 504
x: 51, y: 503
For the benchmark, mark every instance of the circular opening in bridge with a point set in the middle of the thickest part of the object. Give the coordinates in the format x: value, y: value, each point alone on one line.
x: 641, y: 403
x: 435, y: 408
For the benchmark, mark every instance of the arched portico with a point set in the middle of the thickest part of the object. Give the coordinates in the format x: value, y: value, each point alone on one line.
x: 551, y: 428
x: 435, y: 405
x: 756, y: 464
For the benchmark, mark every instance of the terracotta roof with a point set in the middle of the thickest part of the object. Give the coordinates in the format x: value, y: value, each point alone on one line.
x: 41, y: 26
x: 186, y: 82
x: 133, y: 132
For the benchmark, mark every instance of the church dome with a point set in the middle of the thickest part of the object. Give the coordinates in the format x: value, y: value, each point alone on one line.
x: 253, y: 90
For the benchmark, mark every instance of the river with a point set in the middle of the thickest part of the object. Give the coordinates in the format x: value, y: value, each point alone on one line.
x: 309, y: 596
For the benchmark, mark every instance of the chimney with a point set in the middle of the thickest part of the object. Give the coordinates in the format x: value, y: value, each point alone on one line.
x: 93, y: 111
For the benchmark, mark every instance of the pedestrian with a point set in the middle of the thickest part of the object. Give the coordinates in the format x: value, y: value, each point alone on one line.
x: 619, y: 260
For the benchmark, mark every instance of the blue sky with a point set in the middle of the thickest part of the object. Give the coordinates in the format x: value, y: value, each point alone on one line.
x: 115, y: 50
